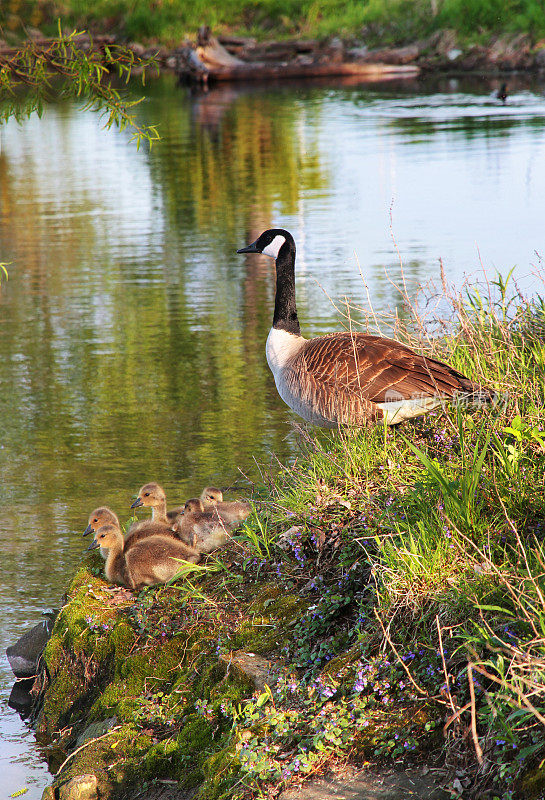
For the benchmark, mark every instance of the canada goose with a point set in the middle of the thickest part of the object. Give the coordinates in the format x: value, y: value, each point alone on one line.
x: 99, y: 517
x: 231, y: 510
x: 150, y: 561
x: 348, y: 377
x: 205, y: 529
x: 151, y: 494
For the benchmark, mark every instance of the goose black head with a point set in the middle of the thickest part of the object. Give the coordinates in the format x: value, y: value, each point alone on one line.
x: 270, y: 243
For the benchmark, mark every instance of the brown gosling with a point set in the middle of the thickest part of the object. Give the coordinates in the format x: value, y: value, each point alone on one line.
x: 99, y: 517
x: 141, y: 530
x: 110, y: 540
x: 151, y: 561
x: 231, y: 510
x: 151, y: 494
x: 205, y: 529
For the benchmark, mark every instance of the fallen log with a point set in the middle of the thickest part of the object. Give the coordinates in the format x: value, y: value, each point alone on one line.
x: 210, y: 61
x: 262, y: 71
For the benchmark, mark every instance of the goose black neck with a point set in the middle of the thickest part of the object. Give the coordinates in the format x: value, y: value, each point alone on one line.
x: 285, y: 308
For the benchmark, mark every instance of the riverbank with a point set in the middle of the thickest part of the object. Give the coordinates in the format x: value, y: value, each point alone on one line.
x: 442, y: 36
x: 383, y: 607
x: 378, y: 22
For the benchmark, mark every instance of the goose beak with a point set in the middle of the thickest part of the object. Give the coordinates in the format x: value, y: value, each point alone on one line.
x: 251, y: 248
x: 138, y: 502
x: 94, y: 544
x: 88, y: 530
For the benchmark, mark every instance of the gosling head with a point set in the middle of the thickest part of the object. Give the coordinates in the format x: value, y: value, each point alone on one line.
x: 100, y: 516
x: 151, y: 494
x: 210, y: 496
x: 271, y: 242
x: 107, y: 536
x: 193, y: 505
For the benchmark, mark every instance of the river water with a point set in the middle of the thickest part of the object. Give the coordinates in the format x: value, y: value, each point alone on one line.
x: 131, y: 334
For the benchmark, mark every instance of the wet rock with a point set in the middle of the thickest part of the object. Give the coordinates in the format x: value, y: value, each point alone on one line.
x: 24, y: 654
x: 82, y: 787
x: 20, y: 698
x: 251, y: 667
x: 363, y: 785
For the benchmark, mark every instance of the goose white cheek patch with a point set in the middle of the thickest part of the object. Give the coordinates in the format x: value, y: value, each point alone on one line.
x: 273, y: 248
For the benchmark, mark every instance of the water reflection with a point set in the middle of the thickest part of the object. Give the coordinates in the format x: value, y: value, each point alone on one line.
x: 132, y: 336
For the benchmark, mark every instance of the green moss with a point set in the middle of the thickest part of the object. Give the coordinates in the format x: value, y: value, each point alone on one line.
x: 220, y: 771
x: 267, y: 620
x: 533, y: 783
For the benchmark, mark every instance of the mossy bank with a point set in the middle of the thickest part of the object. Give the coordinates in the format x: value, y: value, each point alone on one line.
x: 384, y: 605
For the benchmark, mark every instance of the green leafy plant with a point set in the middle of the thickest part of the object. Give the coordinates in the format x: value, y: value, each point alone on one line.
x: 69, y: 65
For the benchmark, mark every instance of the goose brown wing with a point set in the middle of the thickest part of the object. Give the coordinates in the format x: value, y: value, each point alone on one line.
x: 350, y: 372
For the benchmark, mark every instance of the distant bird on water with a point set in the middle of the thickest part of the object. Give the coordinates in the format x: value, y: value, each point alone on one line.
x: 349, y: 377
x: 501, y: 94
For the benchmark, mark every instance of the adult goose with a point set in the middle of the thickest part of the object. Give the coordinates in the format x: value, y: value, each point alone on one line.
x: 349, y: 377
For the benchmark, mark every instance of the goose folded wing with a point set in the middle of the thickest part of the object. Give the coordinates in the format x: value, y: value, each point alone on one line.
x: 359, y: 369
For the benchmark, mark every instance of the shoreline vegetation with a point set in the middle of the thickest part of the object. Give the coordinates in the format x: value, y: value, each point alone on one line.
x: 383, y: 607
x: 439, y: 35
x: 381, y: 22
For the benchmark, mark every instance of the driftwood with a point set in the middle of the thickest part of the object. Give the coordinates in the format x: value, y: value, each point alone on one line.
x: 215, y: 60
x: 261, y: 71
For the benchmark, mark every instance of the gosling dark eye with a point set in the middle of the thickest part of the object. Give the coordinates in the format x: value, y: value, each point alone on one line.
x: 146, y: 494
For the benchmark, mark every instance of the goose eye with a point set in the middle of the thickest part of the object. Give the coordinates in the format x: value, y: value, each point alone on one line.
x: 95, y: 519
x: 146, y: 494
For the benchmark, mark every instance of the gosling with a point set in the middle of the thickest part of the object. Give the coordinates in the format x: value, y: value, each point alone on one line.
x: 151, y: 494
x: 138, y: 530
x: 110, y: 540
x: 205, y: 529
x: 149, y: 562
x: 232, y: 510
x: 99, y: 517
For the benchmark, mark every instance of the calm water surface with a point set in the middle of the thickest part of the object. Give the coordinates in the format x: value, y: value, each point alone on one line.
x: 132, y: 335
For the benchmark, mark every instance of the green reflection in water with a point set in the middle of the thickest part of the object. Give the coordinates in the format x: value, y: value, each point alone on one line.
x: 131, y: 335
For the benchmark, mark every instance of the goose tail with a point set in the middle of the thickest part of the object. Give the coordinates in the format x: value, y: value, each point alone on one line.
x: 474, y: 394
